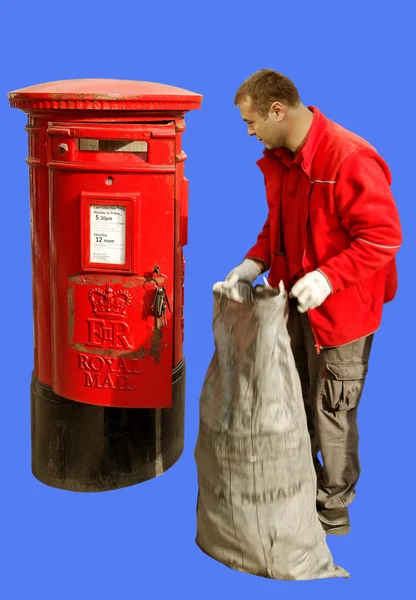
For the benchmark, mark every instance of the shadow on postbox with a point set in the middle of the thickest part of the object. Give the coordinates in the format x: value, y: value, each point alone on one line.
x: 109, y: 205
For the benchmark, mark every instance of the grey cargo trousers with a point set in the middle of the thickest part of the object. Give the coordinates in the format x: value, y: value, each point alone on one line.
x: 332, y: 384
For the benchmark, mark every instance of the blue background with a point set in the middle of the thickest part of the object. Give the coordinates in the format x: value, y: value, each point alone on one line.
x: 353, y: 60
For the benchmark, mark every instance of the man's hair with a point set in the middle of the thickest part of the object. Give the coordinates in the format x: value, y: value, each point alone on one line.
x: 265, y: 87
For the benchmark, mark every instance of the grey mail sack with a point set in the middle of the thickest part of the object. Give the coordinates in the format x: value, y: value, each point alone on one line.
x: 256, y: 507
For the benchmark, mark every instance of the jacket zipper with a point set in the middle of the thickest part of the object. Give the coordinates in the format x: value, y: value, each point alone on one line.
x: 317, y: 346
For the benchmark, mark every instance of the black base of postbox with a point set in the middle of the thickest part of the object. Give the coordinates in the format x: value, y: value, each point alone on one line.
x: 87, y: 448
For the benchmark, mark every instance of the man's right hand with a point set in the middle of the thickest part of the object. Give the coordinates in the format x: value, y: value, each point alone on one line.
x: 248, y: 270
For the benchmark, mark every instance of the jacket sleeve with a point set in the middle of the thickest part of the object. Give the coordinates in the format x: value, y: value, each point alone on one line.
x: 368, y: 212
x: 261, y: 249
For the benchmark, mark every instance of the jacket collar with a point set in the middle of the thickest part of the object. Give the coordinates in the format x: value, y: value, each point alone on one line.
x: 305, y: 155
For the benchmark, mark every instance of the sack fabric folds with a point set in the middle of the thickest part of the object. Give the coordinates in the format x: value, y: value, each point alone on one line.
x: 256, y: 508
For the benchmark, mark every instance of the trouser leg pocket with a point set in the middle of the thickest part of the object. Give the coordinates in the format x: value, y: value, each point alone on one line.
x: 343, y: 385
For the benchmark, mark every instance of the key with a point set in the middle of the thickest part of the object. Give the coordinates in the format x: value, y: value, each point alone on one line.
x: 158, y: 303
x: 165, y: 297
x: 167, y: 301
x: 163, y: 315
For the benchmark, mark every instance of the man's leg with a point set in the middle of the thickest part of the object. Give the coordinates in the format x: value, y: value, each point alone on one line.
x: 299, y: 342
x: 337, y: 378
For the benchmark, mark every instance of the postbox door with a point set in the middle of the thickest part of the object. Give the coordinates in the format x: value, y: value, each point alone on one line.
x: 112, y: 252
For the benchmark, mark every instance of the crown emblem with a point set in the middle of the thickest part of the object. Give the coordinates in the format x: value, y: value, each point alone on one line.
x: 108, y: 303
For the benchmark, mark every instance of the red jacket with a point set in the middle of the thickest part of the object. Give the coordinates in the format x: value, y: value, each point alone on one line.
x: 351, y: 228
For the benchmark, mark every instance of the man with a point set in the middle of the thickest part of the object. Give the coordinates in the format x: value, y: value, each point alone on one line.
x: 331, y: 236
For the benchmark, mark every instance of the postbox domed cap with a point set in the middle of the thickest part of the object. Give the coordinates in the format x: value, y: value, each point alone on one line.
x: 104, y: 94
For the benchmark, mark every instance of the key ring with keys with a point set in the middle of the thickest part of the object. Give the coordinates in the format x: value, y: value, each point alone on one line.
x: 160, y: 300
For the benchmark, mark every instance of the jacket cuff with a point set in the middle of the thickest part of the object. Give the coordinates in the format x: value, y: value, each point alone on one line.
x: 265, y: 267
x: 327, y: 278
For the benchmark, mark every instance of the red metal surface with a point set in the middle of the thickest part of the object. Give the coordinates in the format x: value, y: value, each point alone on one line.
x: 39, y: 227
x: 181, y: 211
x: 105, y: 94
x: 107, y: 348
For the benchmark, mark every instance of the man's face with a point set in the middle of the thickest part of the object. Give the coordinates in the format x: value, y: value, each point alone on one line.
x: 268, y: 131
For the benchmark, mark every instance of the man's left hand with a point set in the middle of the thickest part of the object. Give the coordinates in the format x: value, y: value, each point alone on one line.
x: 311, y: 290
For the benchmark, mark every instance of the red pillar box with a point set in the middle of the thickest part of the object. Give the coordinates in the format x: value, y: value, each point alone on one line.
x: 109, y: 222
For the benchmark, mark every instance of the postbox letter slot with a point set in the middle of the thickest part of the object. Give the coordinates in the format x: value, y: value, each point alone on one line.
x: 99, y: 145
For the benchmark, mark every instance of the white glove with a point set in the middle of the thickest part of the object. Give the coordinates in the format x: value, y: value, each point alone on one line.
x: 248, y: 270
x: 311, y: 290
x: 229, y: 292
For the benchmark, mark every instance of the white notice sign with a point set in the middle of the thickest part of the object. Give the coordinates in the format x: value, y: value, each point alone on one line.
x: 108, y: 234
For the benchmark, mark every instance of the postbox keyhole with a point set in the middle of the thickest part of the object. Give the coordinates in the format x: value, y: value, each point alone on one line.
x: 109, y: 181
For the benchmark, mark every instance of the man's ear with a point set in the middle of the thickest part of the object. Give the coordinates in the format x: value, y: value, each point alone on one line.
x: 278, y: 109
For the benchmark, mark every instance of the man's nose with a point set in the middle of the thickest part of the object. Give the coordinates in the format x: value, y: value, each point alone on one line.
x: 250, y: 130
